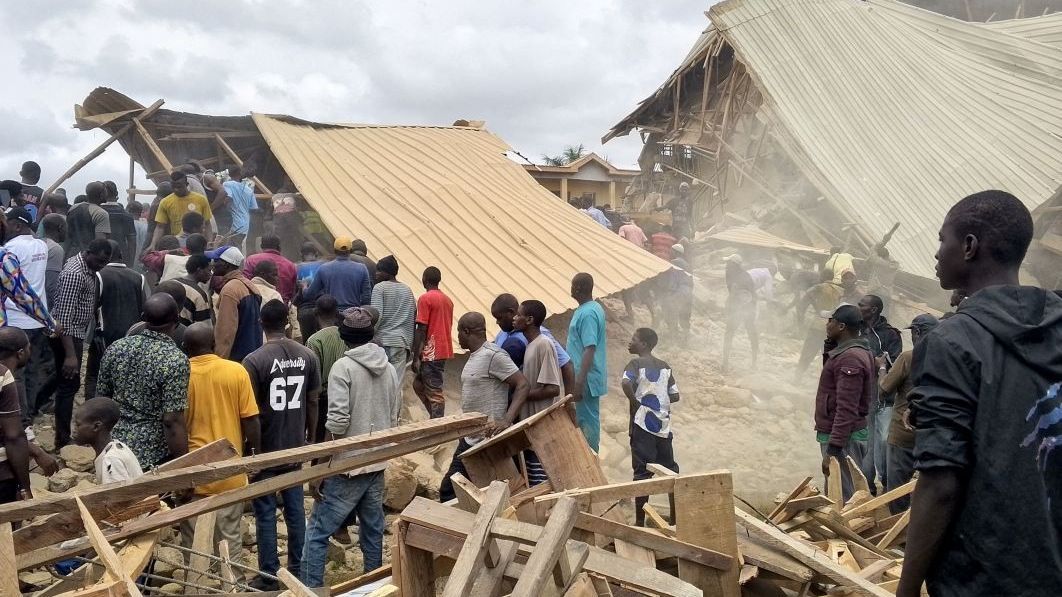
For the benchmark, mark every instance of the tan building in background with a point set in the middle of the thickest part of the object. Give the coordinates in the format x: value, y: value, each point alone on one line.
x: 590, y: 175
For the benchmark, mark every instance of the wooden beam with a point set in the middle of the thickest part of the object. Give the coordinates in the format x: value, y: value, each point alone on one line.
x: 203, y: 543
x: 704, y: 516
x: 798, y: 505
x: 881, y: 500
x: 156, y: 482
x: 809, y: 555
x: 797, y: 492
x: 614, y: 492
x: 457, y: 523
x: 272, y: 485
x: 68, y: 525
x: 832, y: 521
x: 112, y: 564
x: 236, y: 158
x: 293, y: 584
x: 210, y: 135
x: 8, y: 570
x: 413, y: 567
x: 895, y: 531
x: 657, y: 521
x: 833, y: 485
x: 548, y: 549
x: 95, y: 153
x: 650, y: 540
x: 479, y: 542
x: 772, y: 561
x: 160, y: 157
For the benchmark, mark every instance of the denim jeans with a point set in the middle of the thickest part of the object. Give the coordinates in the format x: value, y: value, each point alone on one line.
x: 265, y: 516
x: 874, y: 464
x: 341, y: 495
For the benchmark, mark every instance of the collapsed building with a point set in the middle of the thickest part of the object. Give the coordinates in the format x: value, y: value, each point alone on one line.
x: 430, y: 195
x: 829, y: 121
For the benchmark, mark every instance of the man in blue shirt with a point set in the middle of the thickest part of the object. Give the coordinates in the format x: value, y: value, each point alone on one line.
x: 586, y: 342
x: 241, y: 202
x: 513, y: 341
x: 346, y: 280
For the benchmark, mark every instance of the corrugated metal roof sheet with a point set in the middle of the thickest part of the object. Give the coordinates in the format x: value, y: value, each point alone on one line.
x: 448, y: 196
x: 1046, y: 29
x: 755, y: 237
x: 895, y: 113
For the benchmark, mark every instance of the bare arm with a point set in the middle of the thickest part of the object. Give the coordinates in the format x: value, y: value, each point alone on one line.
x: 176, y: 433
x: 520, y: 388
x: 17, y: 451
x: 933, y: 507
x: 312, y: 398
x: 585, y: 363
x: 568, y: 376
x: 251, y: 430
x: 420, y: 334
x: 543, y: 391
x: 155, y: 236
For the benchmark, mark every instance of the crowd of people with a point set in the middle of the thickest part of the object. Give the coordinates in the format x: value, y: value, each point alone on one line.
x: 177, y: 339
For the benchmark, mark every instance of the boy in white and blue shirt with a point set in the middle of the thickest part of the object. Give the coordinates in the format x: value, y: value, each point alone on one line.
x: 650, y: 386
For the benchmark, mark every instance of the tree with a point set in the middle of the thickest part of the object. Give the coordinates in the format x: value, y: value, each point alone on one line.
x: 570, y: 154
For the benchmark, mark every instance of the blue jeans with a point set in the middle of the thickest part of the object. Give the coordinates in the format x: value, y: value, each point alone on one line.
x: 875, y: 463
x: 588, y: 413
x: 265, y: 516
x: 341, y: 495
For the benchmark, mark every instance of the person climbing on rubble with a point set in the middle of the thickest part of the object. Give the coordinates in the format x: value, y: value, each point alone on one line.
x: 487, y: 380
x: 886, y: 344
x: 846, y: 386
x: 678, y: 296
x: 650, y: 387
x: 899, y: 460
x: 823, y: 297
x: 840, y: 263
x: 740, y: 308
x: 986, y: 514
x: 681, y: 208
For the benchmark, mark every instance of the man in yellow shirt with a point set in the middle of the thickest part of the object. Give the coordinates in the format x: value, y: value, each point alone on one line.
x: 174, y: 207
x: 221, y: 404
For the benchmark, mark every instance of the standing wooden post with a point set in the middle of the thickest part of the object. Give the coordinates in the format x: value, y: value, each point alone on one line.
x: 154, y: 147
x: 203, y: 542
x: 236, y: 158
x: 132, y: 181
x: 414, y: 568
x: 95, y: 153
x: 704, y: 516
x: 8, y: 567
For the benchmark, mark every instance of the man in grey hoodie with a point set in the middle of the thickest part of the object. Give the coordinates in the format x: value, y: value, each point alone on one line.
x: 986, y: 516
x: 363, y: 396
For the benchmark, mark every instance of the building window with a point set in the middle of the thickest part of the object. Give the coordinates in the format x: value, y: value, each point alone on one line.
x: 667, y: 150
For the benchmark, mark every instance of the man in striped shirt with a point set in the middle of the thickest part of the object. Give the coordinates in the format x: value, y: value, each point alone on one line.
x: 394, y: 300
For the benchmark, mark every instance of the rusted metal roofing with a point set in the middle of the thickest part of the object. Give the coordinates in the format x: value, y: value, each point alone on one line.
x: 894, y: 113
x: 448, y: 196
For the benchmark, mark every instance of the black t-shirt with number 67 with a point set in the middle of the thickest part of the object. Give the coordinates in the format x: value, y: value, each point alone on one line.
x: 283, y: 373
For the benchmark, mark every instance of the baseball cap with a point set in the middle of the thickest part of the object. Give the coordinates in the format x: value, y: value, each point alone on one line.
x: 20, y: 214
x: 848, y: 315
x: 228, y: 254
x: 924, y: 321
x: 343, y: 243
x: 678, y: 249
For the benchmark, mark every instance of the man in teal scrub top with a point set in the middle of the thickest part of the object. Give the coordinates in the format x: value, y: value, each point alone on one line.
x: 587, y: 347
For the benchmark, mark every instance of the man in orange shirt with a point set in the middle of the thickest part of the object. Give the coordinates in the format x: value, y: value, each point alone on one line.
x: 221, y: 404
x: 660, y: 243
x: 432, y: 344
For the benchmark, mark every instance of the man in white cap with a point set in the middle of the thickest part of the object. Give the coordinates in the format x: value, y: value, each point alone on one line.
x: 681, y: 208
x: 238, y: 331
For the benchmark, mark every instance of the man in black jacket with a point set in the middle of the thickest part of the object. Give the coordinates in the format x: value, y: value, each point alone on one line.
x: 886, y: 344
x: 986, y: 516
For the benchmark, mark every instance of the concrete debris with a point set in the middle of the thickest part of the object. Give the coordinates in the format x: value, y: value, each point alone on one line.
x: 400, y: 481
x: 79, y: 458
x: 64, y: 480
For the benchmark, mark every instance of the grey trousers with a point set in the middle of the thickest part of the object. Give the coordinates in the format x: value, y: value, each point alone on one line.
x: 857, y: 450
x: 901, y: 469
x: 226, y: 528
x: 874, y: 463
x: 397, y: 356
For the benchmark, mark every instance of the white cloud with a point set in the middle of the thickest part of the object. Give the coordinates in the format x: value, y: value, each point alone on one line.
x: 542, y: 74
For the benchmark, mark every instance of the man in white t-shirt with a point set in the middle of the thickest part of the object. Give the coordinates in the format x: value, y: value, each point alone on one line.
x: 32, y: 254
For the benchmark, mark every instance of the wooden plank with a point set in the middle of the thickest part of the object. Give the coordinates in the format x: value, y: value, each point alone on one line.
x: 894, y: 532
x: 607, y: 494
x: 226, y: 564
x: 95, y: 153
x: 797, y: 492
x: 773, y: 561
x: 489, y: 581
x: 599, y: 562
x: 203, y: 542
x: 875, y: 571
x: 548, y: 549
x: 413, y: 567
x: 881, y: 500
x: 293, y: 584
x: 704, y: 516
x: 581, y: 587
x: 655, y: 520
x: 809, y: 556
x: 468, y: 495
x: 369, y: 577
x: 859, y: 480
x: 386, y: 591
x: 649, y: 540
x: 272, y: 485
x: 564, y: 453
x: 153, y: 147
x: 798, y: 505
x: 186, y: 478
x: 112, y: 564
x: 833, y: 485
x: 660, y: 470
x: 112, y: 589
x: 635, y: 553
x: 67, y: 525
x: 829, y: 519
x: 479, y: 541
x: 8, y: 569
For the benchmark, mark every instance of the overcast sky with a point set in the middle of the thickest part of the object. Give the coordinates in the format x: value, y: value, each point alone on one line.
x: 542, y: 74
